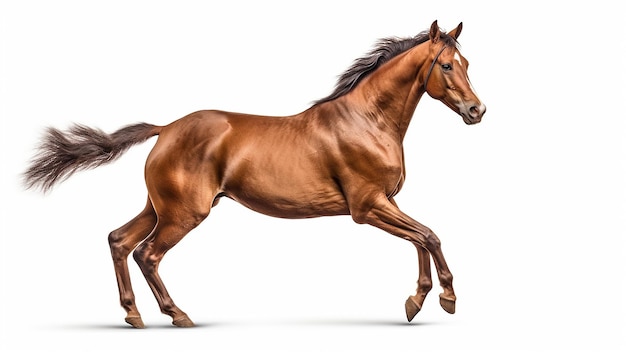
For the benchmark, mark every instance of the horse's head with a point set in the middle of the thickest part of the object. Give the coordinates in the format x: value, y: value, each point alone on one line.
x: 446, y: 77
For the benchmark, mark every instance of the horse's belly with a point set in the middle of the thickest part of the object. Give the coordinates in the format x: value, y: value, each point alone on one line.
x: 291, y: 202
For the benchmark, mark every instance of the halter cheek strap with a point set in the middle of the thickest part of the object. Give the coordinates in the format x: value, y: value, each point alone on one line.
x: 432, y: 65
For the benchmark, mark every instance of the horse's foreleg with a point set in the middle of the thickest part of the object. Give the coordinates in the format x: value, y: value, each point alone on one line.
x: 424, y: 282
x: 122, y: 241
x: 385, y: 215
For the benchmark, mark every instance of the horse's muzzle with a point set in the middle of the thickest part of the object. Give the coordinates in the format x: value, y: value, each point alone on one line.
x: 474, y: 113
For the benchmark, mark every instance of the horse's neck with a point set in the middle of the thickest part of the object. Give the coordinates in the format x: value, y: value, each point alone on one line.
x: 391, y: 93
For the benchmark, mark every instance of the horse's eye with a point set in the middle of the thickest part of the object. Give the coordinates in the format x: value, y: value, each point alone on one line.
x: 446, y: 67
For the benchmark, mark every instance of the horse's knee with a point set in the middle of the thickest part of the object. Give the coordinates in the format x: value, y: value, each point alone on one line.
x: 431, y: 241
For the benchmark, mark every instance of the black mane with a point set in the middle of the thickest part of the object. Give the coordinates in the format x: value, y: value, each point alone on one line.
x: 385, y: 50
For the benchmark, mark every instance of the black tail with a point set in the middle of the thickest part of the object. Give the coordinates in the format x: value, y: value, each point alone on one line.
x: 61, y: 154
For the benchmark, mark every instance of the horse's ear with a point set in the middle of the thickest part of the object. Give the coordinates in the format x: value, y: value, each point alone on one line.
x: 456, y: 32
x: 434, y: 32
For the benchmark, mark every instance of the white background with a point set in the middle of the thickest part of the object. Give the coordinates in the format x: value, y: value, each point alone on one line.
x: 529, y: 204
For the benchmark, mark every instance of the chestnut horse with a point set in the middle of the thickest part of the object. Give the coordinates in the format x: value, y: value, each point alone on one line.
x: 342, y: 156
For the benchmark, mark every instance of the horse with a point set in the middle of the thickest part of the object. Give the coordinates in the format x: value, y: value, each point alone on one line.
x: 342, y: 156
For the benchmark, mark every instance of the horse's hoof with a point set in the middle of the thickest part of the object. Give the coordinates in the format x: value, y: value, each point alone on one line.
x: 448, y: 304
x: 183, y: 322
x: 135, y: 321
x: 412, y: 308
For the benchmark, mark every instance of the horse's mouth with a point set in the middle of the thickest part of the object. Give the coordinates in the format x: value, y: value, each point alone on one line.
x: 469, y: 121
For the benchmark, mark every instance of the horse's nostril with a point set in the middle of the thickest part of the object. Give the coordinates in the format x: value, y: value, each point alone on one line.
x: 474, y: 111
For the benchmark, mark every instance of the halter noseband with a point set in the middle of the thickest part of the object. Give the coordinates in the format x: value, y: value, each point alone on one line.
x: 432, y: 65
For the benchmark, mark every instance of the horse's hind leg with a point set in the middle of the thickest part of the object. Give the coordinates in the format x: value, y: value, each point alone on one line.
x: 122, y: 242
x: 168, y: 232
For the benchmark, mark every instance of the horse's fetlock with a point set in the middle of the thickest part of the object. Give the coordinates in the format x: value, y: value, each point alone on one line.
x: 424, y: 285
